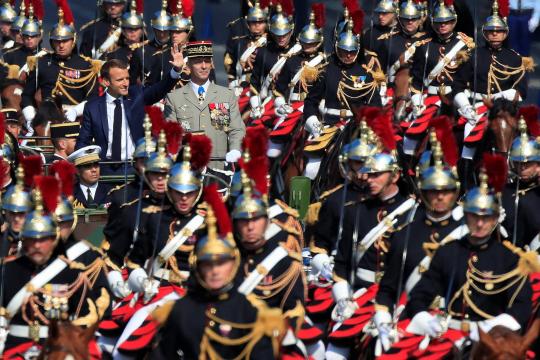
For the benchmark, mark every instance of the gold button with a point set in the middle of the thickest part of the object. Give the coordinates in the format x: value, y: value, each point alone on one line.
x: 466, y: 316
x: 250, y: 261
x: 381, y: 263
x: 213, y: 310
x: 211, y: 323
x: 177, y: 222
x: 436, y: 235
x: 475, y: 258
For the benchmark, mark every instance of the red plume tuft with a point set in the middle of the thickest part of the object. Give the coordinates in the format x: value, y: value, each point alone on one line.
x: 448, y: 3
x: 39, y: 11
x: 139, y: 6
x: 367, y: 112
x: 257, y: 170
x: 256, y: 142
x: 173, y: 132
x: 33, y: 166
x: 530, y: 115
x: 12, y: 3
x: 2, y: 127
x: 351, y: 5
x: 156, y: 118
x: 201, y: 148
x: 68, y: 15
x: 173, y: 6
x: 26, y: 6
x: 382, y: 126
x: 188, y: 7
x: 496, y: 168
x: 4, y: 172
x: 504, y: 8
x: 50, y: 191
x: 320, y: 16
x: 212, y: 197
x: 358, y: 19
x: 65, y: 172
x: 264, y: 4
x: 443, y: 129
x: 287, y: 7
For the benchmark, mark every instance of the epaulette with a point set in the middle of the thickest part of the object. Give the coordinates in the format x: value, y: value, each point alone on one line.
x: 469, y: 42
x: 161, y: 313
x: 117, y: 187
x: 129, y: 203
x: 12, y: 49
x: 462, y: 57
x: 292, y: 254
x: 371, y: 53
x: 91, y: 22
x: 231, y: 23
x: 388, y: 35
x: 313, y: 209
x: 287, y: 228
x: 96, y: 64
x: 422, y: 42
x: 160, y: 52
x: 528, y: 63
x: 528, y: 260
x: 327, y: 193
x: 138, y: 45
x: 419, y: 34
x: 13, y: 70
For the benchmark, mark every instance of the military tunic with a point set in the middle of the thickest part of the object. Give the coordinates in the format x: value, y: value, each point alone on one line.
x: 18, y: 56
x: 528, y: 219
x: 95, y: 33
x: 473, y: 300
x: 141, y: 60
x: 264, y: 60
x: 393, y: 44
x: 370, y: 38
x: 234, y: 51
x: 295, y: 63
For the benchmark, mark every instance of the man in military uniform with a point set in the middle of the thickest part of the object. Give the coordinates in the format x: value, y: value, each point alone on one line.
x: 349, y: 79
x: 242, y: 49
x: 61, y: 75
x: 15, y: 30
x: 500, y: 73
x: 64, y: 137
x: 97, y: 31
x: 478, y: 292
x: 142, y: 61
x: 132, y: 25
x: 386, y: 22
x: 60, y: 293
x: 203, y: 106
x: 12, y: 123
x: 433, y: 221
x: 7, y: 15
x: 213, y: 304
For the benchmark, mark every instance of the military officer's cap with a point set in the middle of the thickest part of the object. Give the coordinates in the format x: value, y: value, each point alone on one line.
x: 161, y: 20
x: 86, y: 155
x: 132, y: 19
x: 199, y: 48
x: 385, y: 6
x: 69, y: 130
x: 497, y: 21
x: 410, y: 10
x: 7, y: 14
x: 444, y: 12
x: 256, y: 13
x: 10, y: 114
x: 281, y: 23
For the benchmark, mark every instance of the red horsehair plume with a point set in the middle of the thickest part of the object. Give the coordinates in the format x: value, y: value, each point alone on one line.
x: 212, y: 198
x: 417, y: 1
x: 504, y: 8
x: 50, y: 191
x: 496, y: 168
x: 443, y: 129
x: 65, y: 172
x: 173, y: 133
x: 367, y: 112
x: 265, y: 4
x: 188, y: 8
x: 68, y: 15
x: 39, y: 11
x: 173, y: 6
x: 256, y: 142
x: 320, y: 16
x: 448, y: 3
x: 287, y: 7
x: 358, y: 19
x: 26, y: 6
x: 2, y: 127
x: 33, y: 166
x: 4, y: 172
x: 257, y: 170
x: 530, y: 115
x: 12, y: 3
x: 382, y: 127
x: 139, y: 6
x: 201, y: 148
x: 156, y: 118
x: 351, y: 5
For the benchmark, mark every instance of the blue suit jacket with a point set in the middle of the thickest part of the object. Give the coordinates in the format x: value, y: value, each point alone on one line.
x: 95, y: 126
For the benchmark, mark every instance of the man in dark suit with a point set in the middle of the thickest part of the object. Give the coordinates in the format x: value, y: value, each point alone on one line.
x: 88, y: 191
x: 114, y: 121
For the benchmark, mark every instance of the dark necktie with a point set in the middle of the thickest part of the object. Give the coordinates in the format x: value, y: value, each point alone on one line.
x: 116, y: 153
x: 89, y: 198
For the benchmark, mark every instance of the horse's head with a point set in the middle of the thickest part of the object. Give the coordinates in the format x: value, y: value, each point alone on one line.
x: 67, y: 342
x: 11, y: 93
x: 503, y: 123
x: 501, y: 343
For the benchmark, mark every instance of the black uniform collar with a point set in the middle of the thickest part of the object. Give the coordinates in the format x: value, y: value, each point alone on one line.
x: 442, y: 222
x: 445, y: 41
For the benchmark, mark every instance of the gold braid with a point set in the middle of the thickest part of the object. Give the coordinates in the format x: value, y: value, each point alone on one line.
x: 500, y: 72
x: 64, y: 82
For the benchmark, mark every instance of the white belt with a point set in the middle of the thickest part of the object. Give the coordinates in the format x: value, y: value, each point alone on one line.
x: 457, y: 325
x: 23, y: 331
x: 366, y: 275
x: 338, y: 112
x: 297, y: 97
x: 434, y: 90
x: 164, y: 274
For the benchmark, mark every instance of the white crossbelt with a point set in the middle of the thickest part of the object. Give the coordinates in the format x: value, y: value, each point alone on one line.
x: 249, y: 51
x: 407, y: 54
x: 277, y: 68
x: 457, y: 325
x: 108, y: 43
x: 449, y: 57
x: 165, y: 274
x: 23, y: 331
x: 338, y: 112
x: 295, y: 97
x: 535, y: 243
x: 261, y: 270
x: 434, y: 90
x: 366, y: 275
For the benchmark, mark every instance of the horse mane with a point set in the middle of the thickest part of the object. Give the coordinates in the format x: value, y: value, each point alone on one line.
x: 502, y: 105
x: 48, y: 111
x: 67, y: 339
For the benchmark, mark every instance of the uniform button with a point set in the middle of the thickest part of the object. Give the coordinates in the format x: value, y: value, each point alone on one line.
x: 436, y: 235
x: 175, y: 232
x: 475, y: 258
x: 469, y: 292
x: 466, y: 316
x: 212, y: 310
x: 250, y: 261
x: 381, y: 263
x: 211, y: 323
x: 177, y: 222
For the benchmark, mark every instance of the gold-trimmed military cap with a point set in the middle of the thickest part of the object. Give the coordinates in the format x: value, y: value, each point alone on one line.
x: 10, y: 114
x: 199, y: 48
x: 86, y: 155
x: 68, y: 130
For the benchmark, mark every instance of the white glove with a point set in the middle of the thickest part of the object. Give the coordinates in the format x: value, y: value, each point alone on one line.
x: 73, y: 112
x: 151, y: 288
x: 232, y: 156
x: 465, y: 108
x: 313, y: 126
x: 383, y: 322
x: 117, y: 284
x: 321, y: 265
x: 502, y: 214
x: 504, y: 319
x: 282, y: 108
x: 508, y: 94
x: 417, y: 102
x: 256, y: 107
x: 137, y: 279
x: 424, y: 323
x: 29, y: 113
x: 344, y: 309
x: 533, y: 23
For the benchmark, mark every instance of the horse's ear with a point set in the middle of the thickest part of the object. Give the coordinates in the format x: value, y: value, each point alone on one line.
x: 531, y: 335
x: 488, y: 102
x: 487, y: 341
x: 53, y: 329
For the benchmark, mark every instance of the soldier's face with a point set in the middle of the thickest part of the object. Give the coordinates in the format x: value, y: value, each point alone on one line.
x: 158, y: 182
x: 283, y: 40
x: 251, y: 232
x: 179, y: 37
x: 16, y: 36
x: 31, y: 42
x: 346, y: 57
x: 118, y: 82
x: 355, y: 175
x: 13, y: 129
x: 200, y: 68
x: 382, y: 184
x: 257, y: 27
x: 64, y: 229
x: 527, y: 171
x: 310, y: 48
x: 89, y: 173
x: 132, y: 36
x: 70, y: 145
x: 38, y: 250
x: 440, y: 201
x: 410, y: 25
x: 15, y: 220
x: 161, y: 36
x: 216, y: 274
x: 444, y: 28
x: 386, y: 19
x: 480, y: 226
x: 496, y: 37
x: 63, y: 48
x: 114, y: 11
x: 4, y: 28
x: 183, y: 203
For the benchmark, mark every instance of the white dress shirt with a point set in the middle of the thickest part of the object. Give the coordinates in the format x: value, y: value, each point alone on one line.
x: 195, y: 88
x: 126, y: 134
x: 93, y: 189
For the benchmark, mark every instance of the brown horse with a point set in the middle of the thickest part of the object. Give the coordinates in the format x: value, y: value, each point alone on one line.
x: 501, y: 343
x: 503, y: 123
x: 67, y: 341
